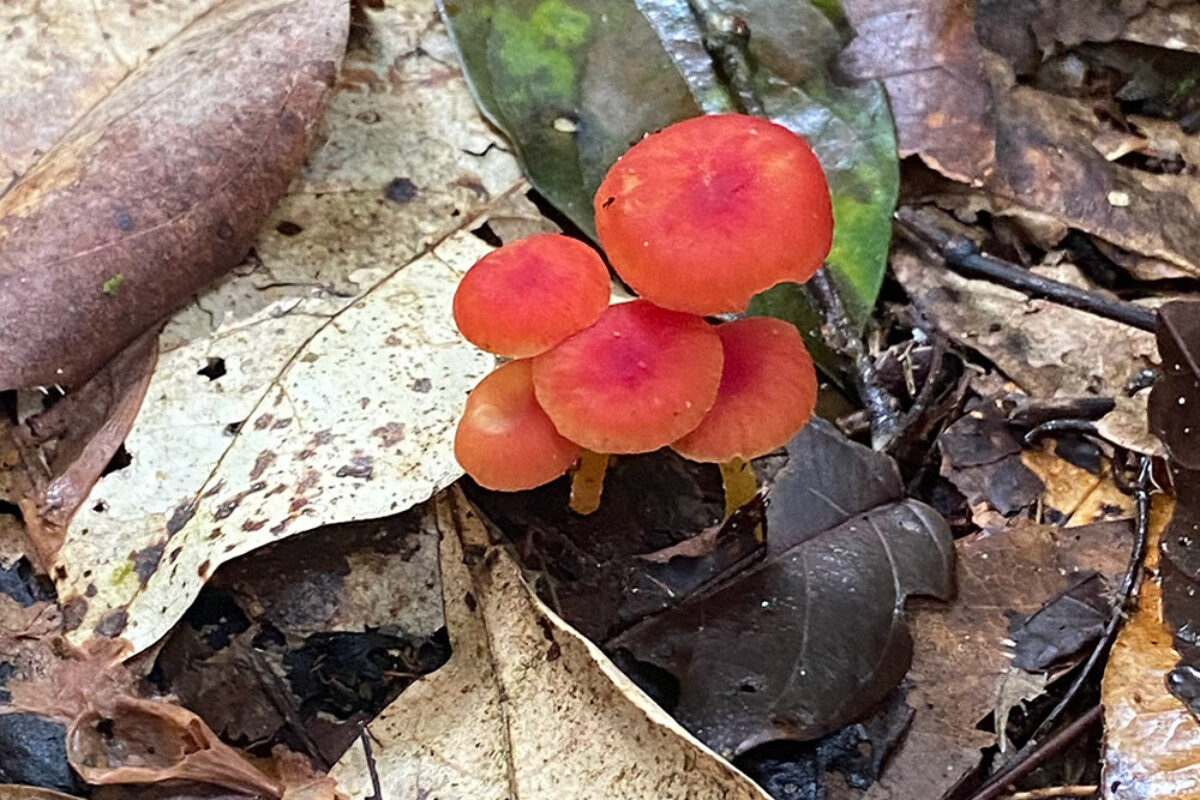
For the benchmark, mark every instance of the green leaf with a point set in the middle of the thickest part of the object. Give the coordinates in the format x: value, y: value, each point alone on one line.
x: 791, y: 52
x: 573, y: 83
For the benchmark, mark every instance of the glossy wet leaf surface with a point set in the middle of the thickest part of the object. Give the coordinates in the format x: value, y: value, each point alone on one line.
x: 767, y: 654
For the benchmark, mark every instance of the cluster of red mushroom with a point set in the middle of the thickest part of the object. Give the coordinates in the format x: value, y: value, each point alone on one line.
x: 696, y: 219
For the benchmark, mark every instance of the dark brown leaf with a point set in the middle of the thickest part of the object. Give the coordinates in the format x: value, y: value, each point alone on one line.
x: 959, y: 106
x: 162, y: 186
x: 814, y: 636
x: 1175, y: 401
x: 934, y: 70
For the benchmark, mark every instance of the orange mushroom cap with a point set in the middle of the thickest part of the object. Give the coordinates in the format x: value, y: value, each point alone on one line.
x: 638, y: 379
x: 708, y: 212
x: 527, y: 296
x: 768, y: 392
x: 504, y: 440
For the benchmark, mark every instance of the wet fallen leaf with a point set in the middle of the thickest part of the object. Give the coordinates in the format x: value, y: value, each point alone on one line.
x: 1152, y: 740
x: 767, y: 654
x: 981, y: 456
x: 262, y: 419
x: 961, y: 663
x: 101, y: 238
x: 1175, y: 401
x: 525, y: 708
x: 572, y: 82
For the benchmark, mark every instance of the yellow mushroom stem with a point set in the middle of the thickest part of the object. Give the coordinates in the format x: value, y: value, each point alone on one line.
x: 741, y: 484
x: 587, y: 482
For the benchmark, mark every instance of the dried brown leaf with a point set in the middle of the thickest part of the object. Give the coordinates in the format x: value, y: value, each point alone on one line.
x: 925, y: 52
x: 151, y: 741
x: 161, y: 186
x: 1048, y: 349
x: 526, y: 708
x: 961, y: 667
x: 342, y: 373
x: 59, y: 454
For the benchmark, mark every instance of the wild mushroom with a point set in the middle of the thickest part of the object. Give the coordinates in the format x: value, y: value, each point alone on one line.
x: 638, y: 379
x: 708, y: 212
x: 527, y: 296
x: 504, y: 439
x: 768, y: 392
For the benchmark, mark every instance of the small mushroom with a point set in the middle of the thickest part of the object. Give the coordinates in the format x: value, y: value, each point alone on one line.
x: 768, y: 392
x: 527, y: 296
x: 708, y: 212
x: 504, y: 440
x: 638, y: 379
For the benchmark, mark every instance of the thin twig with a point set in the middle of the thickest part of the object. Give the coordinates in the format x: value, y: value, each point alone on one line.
x: 727, y: 40
x: 962, y: 256
x: 1000, y: 783
x: 885, y: 424
x: 1055, y: 791
x: 372, y: 769
x: 1127, y: 599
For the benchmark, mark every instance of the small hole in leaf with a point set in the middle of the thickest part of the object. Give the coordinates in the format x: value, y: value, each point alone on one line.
x: 120, y: 460
x: 748, y: 687
x: 233, y: 428
x: 100, y: 507
x: 288, y: 228
x: 214, y: 369
x: 488, y: 235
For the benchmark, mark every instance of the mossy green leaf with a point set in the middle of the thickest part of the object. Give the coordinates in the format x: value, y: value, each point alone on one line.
x: 573, y: 83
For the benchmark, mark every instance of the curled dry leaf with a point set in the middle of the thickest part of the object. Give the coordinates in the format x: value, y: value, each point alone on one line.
x: 13, y: 792
x: 161, y: 186
x: 1031, y: 151
x: 768, y: 654
x: 60, y: 453
x: 322, y: 381
x: 151, y: 741
x: 526, y: 708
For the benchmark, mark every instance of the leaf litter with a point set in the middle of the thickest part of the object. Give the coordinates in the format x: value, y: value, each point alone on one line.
x: 526, y: 707
x: 274, y: 432
x: 375, y: 182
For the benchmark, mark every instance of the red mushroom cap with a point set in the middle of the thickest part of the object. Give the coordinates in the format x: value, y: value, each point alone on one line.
x: 504, y: 440
x: 637, y: 380
x: 527, y: 296
x: 768, y: 391
x: 708, y: 212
